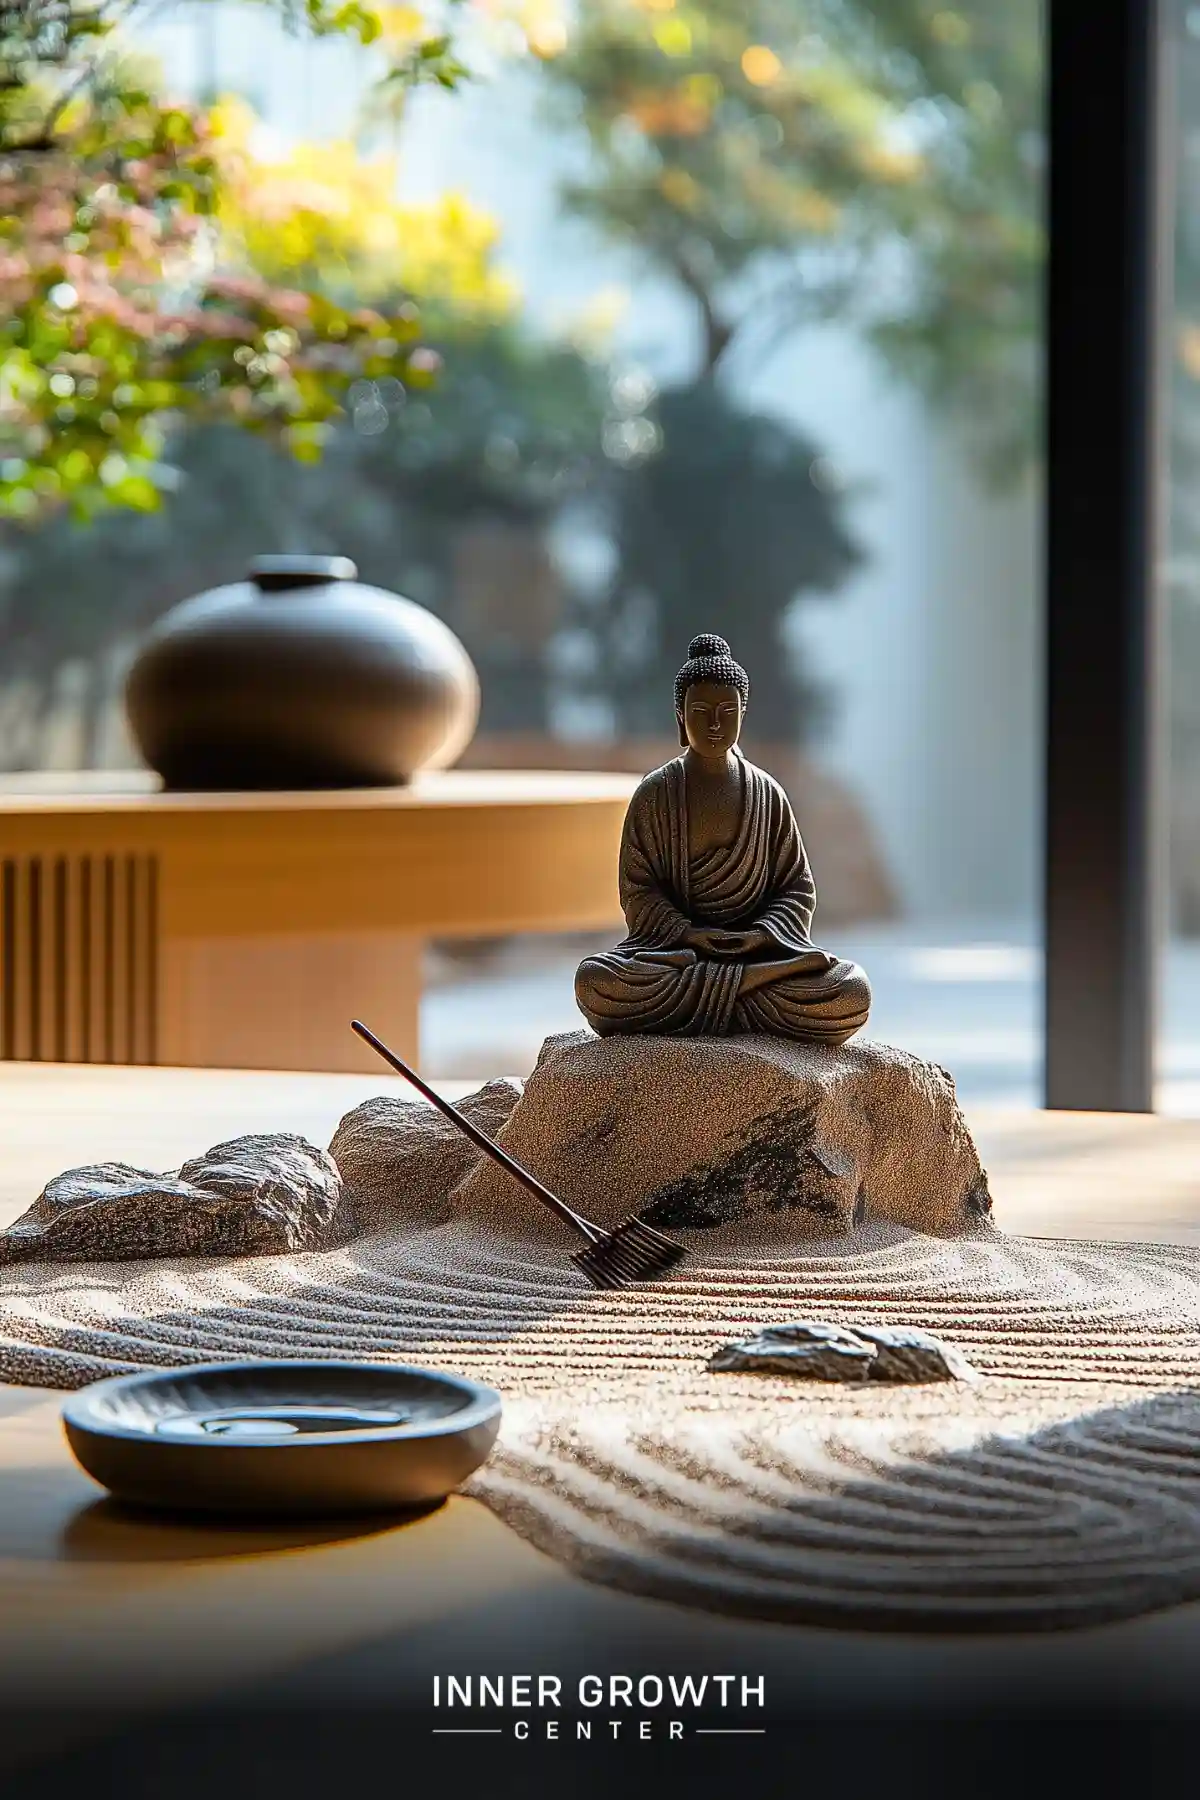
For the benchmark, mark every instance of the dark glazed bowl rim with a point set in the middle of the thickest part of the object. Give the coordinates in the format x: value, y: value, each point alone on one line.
x: 482, y: 1406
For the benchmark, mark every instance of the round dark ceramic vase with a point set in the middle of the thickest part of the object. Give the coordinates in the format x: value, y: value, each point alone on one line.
x: 300, y: 677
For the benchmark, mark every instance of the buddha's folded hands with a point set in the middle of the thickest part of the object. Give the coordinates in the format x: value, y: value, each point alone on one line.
x: 681, y: 958
x: 732, y: 946
x: 712, y: 941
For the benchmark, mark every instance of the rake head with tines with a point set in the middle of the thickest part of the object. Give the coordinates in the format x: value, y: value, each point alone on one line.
x: 633, y: 1252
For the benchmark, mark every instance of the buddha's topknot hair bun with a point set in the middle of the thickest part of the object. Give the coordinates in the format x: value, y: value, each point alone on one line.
x: 710, y: 659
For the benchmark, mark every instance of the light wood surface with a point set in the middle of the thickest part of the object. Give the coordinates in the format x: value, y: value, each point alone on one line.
x: 1059, y: 1174
x: 291, y: 997
x: 245, y: 930
x: 111, y: 1616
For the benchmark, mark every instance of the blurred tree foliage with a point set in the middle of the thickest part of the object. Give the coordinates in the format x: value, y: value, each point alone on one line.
x: 721, y: 516
x: 786, y: 162
x: 123, y: 309
x: 510, y: 427
x: 326, y: 216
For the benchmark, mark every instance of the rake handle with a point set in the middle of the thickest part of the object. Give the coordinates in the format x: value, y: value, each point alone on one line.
x: 480, y: 1138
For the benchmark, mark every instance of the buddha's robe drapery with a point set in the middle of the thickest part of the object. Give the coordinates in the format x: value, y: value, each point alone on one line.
x: 653, y: 982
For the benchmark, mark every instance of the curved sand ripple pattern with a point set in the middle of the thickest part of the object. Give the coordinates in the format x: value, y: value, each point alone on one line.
x: 1089, y: 1520
x: 1062, y: 1488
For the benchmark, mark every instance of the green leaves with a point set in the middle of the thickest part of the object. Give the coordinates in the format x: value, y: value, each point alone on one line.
x: 431, y: 60
x: 120, y: 315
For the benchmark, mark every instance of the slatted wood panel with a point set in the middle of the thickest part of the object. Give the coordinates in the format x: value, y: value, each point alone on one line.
x: 79, y: 958
x: 277, y: 917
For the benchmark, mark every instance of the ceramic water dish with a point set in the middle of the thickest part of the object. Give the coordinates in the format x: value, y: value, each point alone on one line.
x: 283, y: 1437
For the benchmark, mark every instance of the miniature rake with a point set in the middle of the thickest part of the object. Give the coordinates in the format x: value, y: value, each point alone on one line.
x: 633, y: 1252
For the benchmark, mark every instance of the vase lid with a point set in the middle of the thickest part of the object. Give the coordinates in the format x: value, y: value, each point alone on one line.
x: 270, y: 574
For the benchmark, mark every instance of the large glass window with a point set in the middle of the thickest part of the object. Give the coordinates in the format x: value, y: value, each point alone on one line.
x: 737, y: 309
x: 1179, y: 1050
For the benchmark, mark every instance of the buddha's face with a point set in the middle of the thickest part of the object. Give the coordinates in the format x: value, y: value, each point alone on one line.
x: 711, y: 721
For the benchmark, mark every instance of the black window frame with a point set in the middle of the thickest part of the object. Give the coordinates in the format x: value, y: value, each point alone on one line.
x: 1109, y: 221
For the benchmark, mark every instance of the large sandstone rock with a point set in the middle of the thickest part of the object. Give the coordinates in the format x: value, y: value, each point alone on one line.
x: 250, y: 1196
x: 399, y: 1159
x: 710, y: 1134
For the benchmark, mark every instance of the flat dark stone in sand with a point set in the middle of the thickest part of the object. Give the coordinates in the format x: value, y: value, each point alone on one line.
x: 883, y: 1353
x: 820, y: 1352
x: 902, y: 1353
x: 251, y: 1196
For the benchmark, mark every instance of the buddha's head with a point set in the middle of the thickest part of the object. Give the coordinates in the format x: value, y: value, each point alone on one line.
x: 711, y: 694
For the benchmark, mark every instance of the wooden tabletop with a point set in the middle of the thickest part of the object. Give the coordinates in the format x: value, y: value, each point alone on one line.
x: 109, y: 1621
x: 88, y: 792
x: 246, y: 929
x: 462, y: 851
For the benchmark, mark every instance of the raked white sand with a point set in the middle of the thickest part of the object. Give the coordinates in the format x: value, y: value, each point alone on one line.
x: 1062, y: 1489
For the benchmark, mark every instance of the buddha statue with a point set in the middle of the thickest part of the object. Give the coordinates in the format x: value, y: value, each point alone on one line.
x: 717, y: 892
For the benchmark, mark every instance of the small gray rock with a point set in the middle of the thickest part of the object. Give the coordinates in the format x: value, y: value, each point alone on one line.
x: 820, y: 1352
x: 887, y: 1353
x: 902, y: 1353
x: 289, y: 1190
x: 399, y: 1159
x: 252, y: 1196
